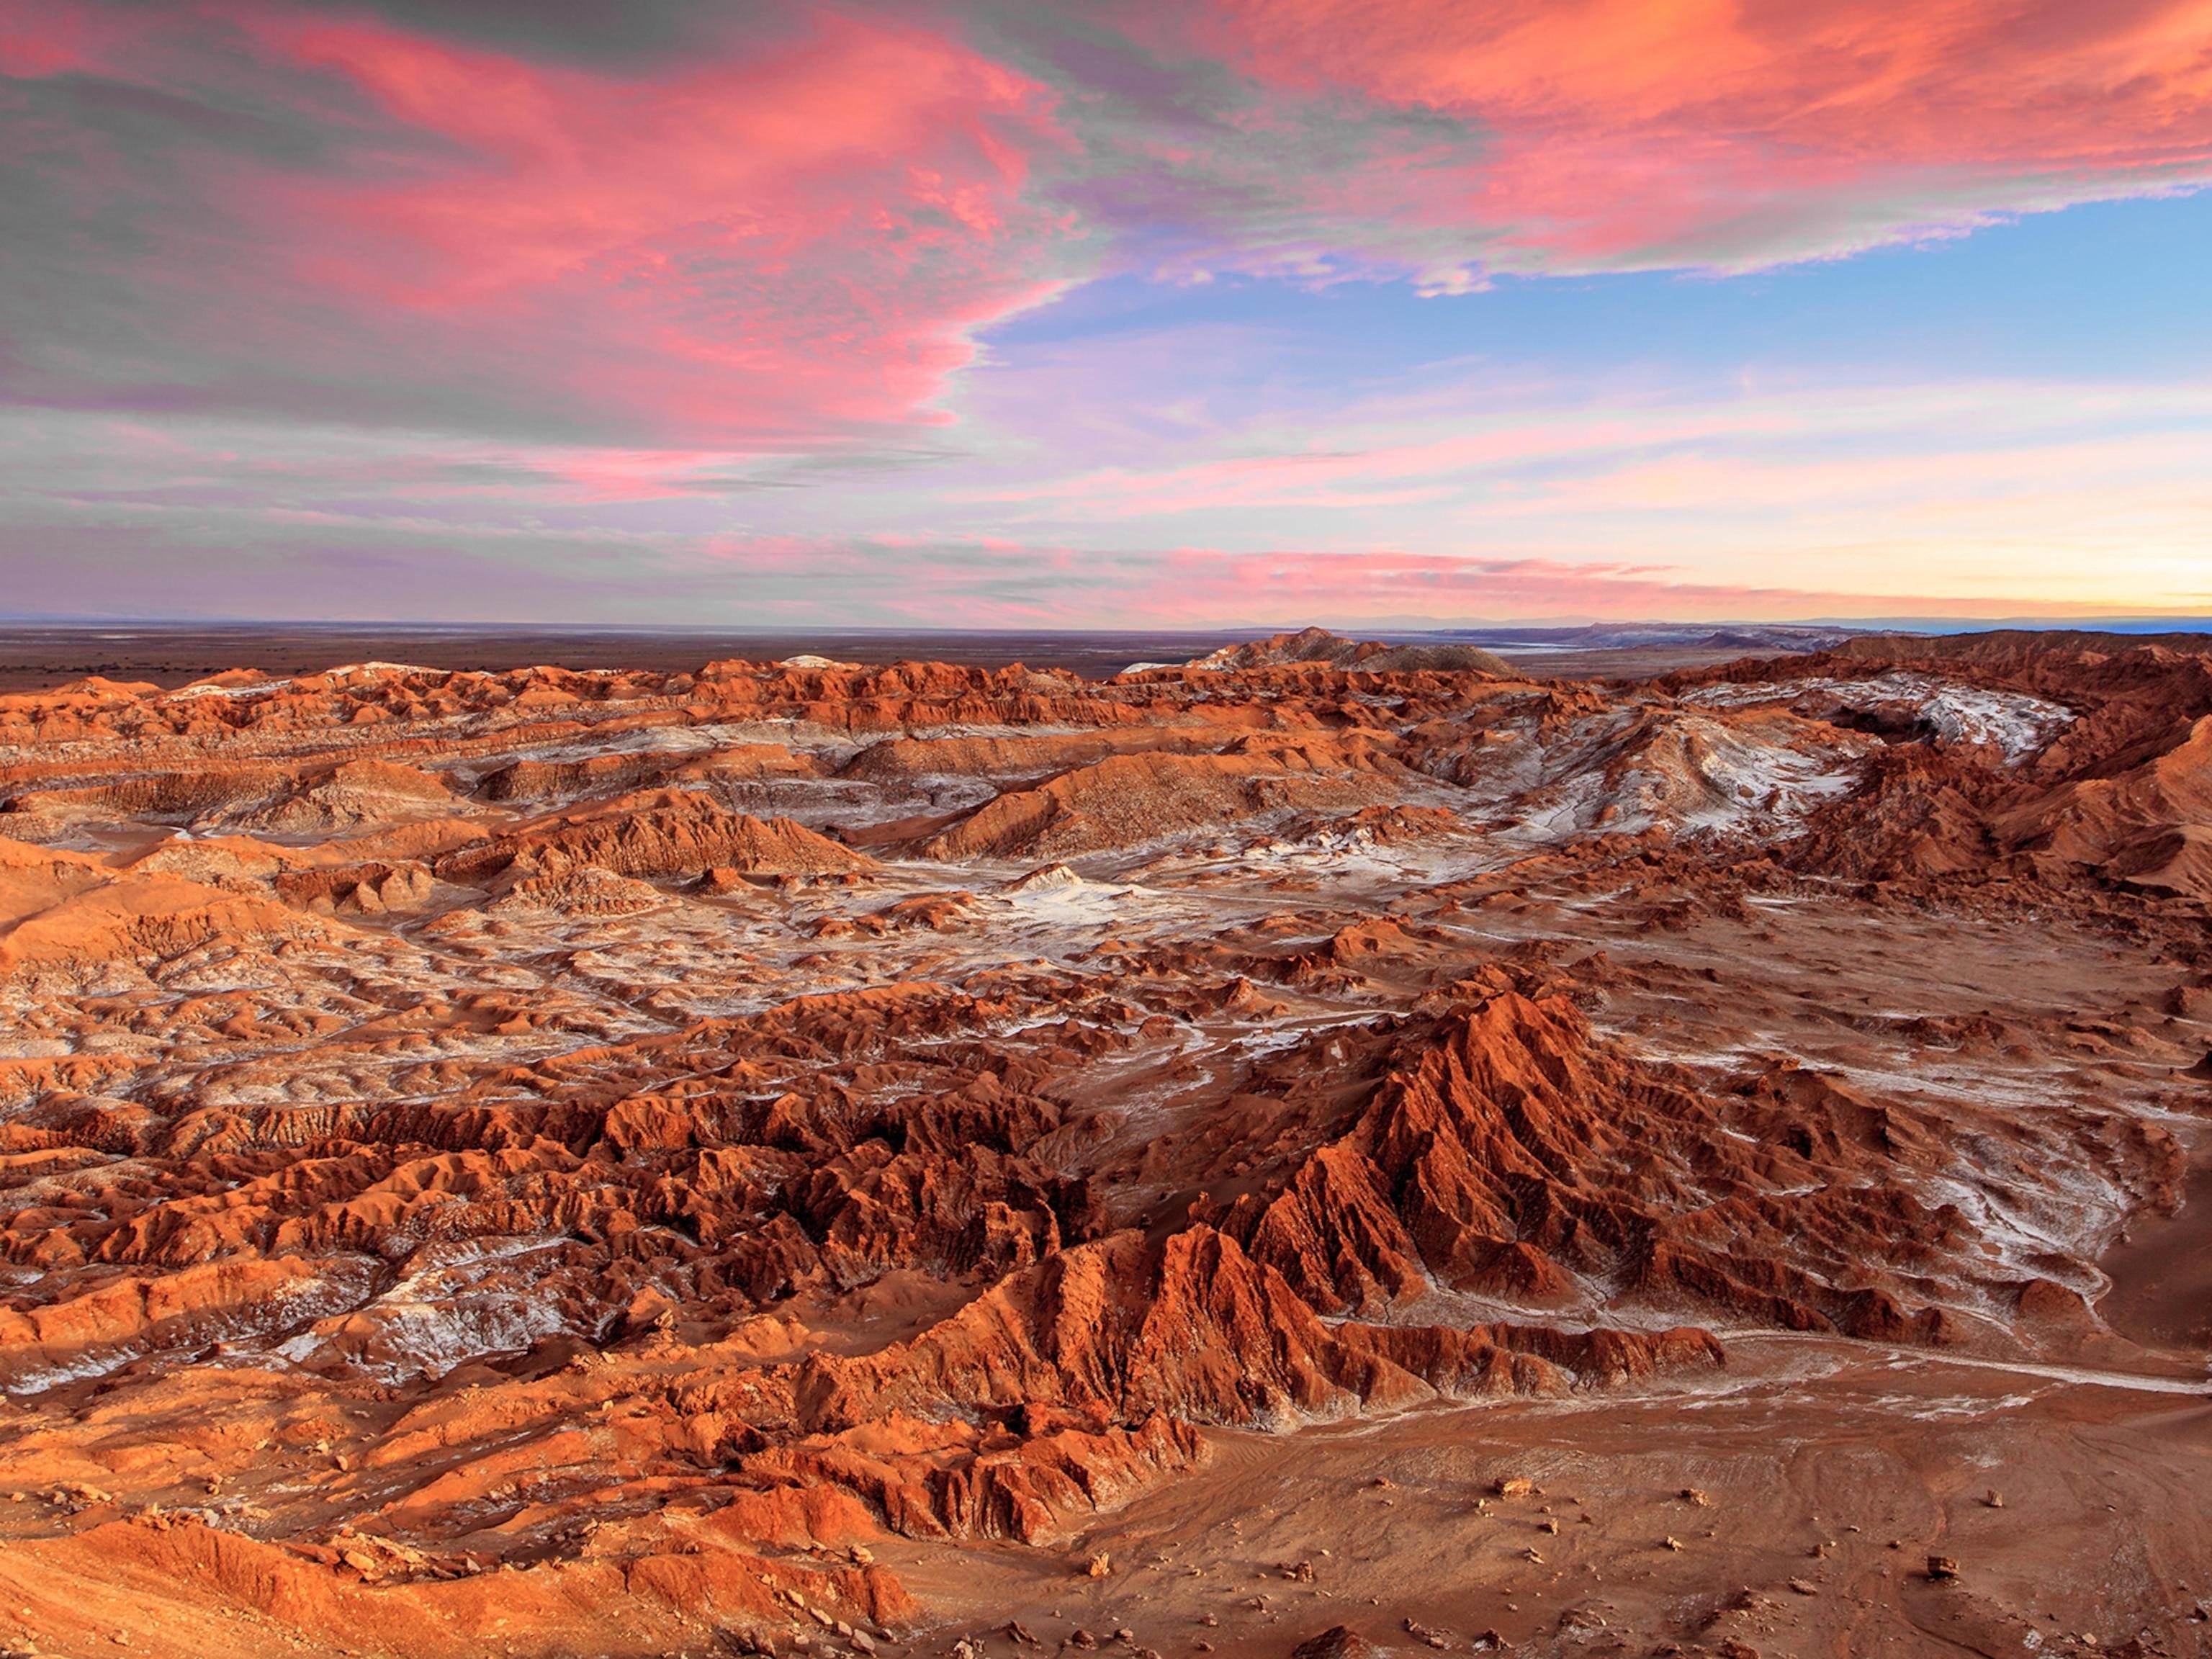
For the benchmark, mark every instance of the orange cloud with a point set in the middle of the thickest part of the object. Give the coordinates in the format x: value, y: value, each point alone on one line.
x: 789, y: 234
x: 1738, y: 132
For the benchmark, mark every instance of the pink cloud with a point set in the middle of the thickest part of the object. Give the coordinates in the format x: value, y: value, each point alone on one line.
x: 792, y: 236
x: 771, y: 245
x: 970, y: 585
x: 1658, y: 133
x: 1349, y: 587
x: 2023, y: 501
x: 1347, y: 468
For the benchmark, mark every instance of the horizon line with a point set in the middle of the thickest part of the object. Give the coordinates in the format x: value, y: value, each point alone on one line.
x: 2180, y: 622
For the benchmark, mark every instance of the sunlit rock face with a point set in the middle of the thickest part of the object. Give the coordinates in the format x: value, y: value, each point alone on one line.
x: 793, y: 1149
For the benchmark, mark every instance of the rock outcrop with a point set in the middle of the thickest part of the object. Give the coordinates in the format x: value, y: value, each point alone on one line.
x: 1319, y: 646
x: 675, y: 1135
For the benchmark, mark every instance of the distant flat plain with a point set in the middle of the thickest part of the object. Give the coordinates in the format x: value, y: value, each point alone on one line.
x: 36, y: 656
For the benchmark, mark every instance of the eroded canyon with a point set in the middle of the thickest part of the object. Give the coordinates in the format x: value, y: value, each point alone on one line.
x: 799, y: 1158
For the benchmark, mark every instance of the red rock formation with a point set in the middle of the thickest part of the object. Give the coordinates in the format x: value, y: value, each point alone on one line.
x: 1319, y: 646
x: 616, y: 1186
x: 1128, y: 799
x: 137, y: 919
x: 668, y: 832
x: 2148, y: 826
x: 2122, y: 791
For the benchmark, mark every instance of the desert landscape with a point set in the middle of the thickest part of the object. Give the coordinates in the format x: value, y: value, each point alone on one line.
x: 948, y: 829
x: 1331, y: 1147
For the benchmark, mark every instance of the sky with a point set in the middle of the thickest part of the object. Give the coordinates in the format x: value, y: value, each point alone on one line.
x: 1140, y: 313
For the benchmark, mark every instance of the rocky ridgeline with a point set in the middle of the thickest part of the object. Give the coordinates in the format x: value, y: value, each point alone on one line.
x: 671, y: 1125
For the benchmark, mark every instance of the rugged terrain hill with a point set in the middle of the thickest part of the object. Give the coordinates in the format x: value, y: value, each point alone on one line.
x: 1319, y: 646
x: 617, y: 1162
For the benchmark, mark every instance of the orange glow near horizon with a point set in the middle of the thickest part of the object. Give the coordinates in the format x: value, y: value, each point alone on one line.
x: 1106, y: 283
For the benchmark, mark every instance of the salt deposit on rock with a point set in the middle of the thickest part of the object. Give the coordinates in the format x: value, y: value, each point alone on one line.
x: 647, y: 1162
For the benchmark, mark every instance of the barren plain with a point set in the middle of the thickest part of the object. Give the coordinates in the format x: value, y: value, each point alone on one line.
x: 1337, y: 1142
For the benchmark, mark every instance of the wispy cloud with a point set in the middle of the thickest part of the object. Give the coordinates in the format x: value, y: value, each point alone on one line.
x: 787, y: 235
x: 1724, y: 134
x: 669, y: 300
x: 233, y: 206
x: 1964, y: 497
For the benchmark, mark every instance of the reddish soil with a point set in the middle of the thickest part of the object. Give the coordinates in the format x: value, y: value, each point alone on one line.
x: 820, y: 1159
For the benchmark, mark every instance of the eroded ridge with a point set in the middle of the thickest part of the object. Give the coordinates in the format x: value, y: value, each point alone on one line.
x: 683, y: 1158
